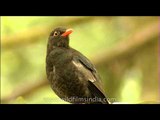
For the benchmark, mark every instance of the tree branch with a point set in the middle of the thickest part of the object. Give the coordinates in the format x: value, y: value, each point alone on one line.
x: 36, y: 33
x: 25, y: 90
x: 125, y: 47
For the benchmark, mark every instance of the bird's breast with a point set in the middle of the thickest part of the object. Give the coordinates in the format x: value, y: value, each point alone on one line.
x: 66, y: 77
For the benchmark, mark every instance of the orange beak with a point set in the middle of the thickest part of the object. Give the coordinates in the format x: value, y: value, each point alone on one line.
x: 67, y: 32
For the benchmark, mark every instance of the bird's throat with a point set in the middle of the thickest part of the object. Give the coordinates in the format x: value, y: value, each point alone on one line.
x: 63, y: 43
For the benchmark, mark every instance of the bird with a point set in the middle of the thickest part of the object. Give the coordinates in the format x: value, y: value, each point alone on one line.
x: 71, y: 75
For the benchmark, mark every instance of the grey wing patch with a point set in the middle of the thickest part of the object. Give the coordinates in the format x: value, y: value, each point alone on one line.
x: 95, y: 84
x: 83, y: 60
x: 88, y: 74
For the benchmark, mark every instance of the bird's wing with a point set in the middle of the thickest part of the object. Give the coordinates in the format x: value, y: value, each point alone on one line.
x: 94, y: 82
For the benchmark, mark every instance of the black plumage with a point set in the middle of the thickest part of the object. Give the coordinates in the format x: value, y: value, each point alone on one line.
x: 71, y: 75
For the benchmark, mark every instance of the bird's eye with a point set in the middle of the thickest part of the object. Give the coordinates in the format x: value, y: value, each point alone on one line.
x: 55, y: 33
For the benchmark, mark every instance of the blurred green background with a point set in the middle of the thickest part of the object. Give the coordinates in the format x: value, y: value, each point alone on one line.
x: 123, y: 49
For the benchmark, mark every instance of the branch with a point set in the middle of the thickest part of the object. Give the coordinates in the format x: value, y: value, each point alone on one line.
x: 34, y: 34
x: 25, y: 90
x: 124, y: 48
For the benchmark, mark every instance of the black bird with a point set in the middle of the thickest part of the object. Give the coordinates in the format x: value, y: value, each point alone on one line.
x: 71, y: 75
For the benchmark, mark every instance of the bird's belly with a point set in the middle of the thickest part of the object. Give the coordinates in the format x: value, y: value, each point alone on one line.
x: 68, y: 86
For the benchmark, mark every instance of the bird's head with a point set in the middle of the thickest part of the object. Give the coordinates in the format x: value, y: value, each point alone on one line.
x: 59, y: 37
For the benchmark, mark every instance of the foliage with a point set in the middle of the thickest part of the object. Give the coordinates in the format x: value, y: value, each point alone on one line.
x: 124, y: 78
